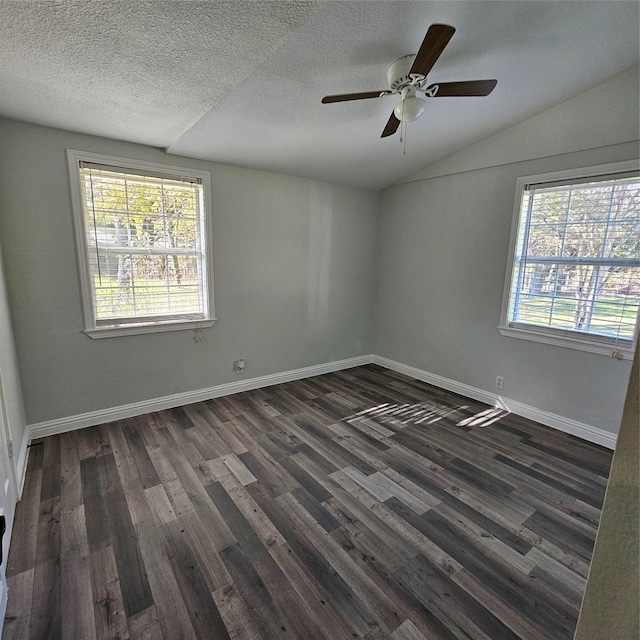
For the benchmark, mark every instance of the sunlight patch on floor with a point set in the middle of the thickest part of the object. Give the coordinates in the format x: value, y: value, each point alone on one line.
x: 414, y: 413
x: 484, y: 418
x: 429, y: 413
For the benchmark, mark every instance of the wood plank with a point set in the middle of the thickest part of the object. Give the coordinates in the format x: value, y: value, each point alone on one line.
x: 203, y: 613
x: 200, y: 501
x: 251, y: 545
x: 383, y: 574
x: 146, y: 472
x: 51, y: 481
x: 70, y: 473
x: 172, y: 615
x: 419, y: 541
x: 108, y: 606
x: 97, y: 518
x: 76, y: 587
x: 239, y: 618
x: 452, y: 605
x: 549, y: 615
x: 267, y: 472
x: 572, y: 584
x: 248, y: 582
x: 24, y: 538
x: 315, y: 600
x: 160, y: 504
x: 46, y: 612
x: 408, y: 631
x: 508, y: 615
x: 328, y: 580
x: 17, y: 619
x: 381, y: 609
x: 203, y: 546
x: 93, y: 442
x: 134, y: 584
x: 145, y: 625
x: 238, y: 469
x: 299, y: 624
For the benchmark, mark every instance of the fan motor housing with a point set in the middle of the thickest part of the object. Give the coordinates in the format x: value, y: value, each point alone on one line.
x: 398, y: 74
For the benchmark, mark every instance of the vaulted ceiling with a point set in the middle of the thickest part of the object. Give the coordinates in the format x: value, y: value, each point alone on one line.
x: 240, y: 81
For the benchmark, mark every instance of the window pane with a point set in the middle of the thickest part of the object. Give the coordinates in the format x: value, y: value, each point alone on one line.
x: 578, y: 258
x: 553, y: 295
x: 131, y: 212
x: 132, y: 286
x: 145, y: 246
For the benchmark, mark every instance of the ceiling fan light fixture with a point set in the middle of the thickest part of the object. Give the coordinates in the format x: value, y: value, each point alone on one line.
x: 408, y: 75
x: 409, y: 109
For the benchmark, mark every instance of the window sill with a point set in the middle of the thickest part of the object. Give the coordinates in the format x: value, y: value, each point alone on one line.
x: 150, y: 327
x: 619, y: 352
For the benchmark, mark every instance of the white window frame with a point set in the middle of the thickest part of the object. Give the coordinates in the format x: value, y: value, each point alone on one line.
x: 569, y: 339
x: 94, y: 330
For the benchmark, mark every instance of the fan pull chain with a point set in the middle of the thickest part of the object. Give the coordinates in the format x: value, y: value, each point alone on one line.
x: 404, y: 146
x: 403, y: 137
x: 403, y: 131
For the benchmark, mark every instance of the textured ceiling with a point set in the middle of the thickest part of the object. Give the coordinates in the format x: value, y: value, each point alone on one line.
x: 136, y: 70
x: 240, y: 82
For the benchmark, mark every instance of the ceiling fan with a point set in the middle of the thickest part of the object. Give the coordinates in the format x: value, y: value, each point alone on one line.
x: 408, y: 76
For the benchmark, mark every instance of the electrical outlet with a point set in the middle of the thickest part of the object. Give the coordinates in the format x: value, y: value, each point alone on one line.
x: 238, y: 366
x: 499, y: 382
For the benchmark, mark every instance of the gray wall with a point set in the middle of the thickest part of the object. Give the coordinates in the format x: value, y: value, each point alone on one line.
x: 294, y: 280
x: 442, y: 258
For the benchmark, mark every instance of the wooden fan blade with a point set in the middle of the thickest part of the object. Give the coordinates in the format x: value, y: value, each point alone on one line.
x: 468, y: 88
x: 344, y: 97
x: 432, y: 46
x: 391, y: 127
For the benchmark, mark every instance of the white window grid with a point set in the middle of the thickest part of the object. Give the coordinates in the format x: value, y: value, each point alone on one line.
x: 113, y: 192
x: 614, y: 328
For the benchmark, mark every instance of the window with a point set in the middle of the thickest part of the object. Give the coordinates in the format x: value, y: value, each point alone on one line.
x: 574, y: 270
x: 142, y: 233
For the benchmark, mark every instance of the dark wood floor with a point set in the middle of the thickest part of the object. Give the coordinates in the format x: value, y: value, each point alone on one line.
x: 359, y: 504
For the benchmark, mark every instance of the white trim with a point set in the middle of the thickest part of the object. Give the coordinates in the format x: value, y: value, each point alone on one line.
x: 74, y: 157
x: 21, y: 462
x: 583, y: 172
x: 612, y: 350
x: 3, y: 602
x: 152, y: 327
x: 579, y: 429
x: 92, y: 418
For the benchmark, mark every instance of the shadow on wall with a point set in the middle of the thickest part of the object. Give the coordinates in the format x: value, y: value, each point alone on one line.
x: 319, y: 258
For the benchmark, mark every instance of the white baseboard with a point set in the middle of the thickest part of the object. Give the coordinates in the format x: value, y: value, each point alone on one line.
x: 92, y: 418
x: 579, y: 429
x: 80, y: 421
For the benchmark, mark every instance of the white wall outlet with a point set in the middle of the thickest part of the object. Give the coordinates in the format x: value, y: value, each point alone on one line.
x: 499, y: 382
x: 238, y: 366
